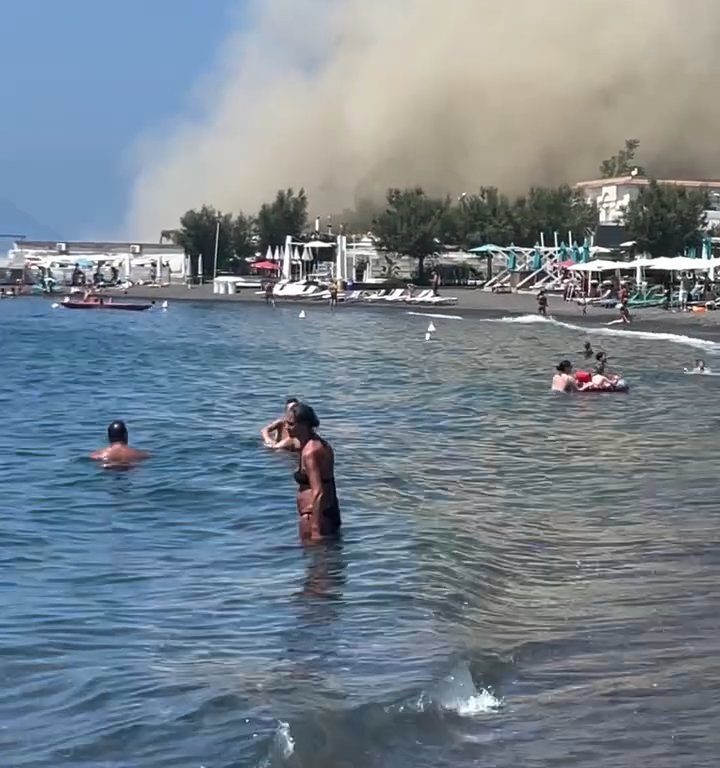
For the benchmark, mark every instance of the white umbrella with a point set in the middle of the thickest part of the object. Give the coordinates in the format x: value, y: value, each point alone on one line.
x: 319, y: 244
x: 599, y: 265
x: 599, y: 249
x: 269, y: 254
x: 679, y: 264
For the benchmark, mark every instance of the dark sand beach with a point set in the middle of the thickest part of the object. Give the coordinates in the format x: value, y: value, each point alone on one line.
x: 472, y: 302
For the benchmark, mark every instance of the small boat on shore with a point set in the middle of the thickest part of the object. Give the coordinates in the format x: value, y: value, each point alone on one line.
x: 94, y: 301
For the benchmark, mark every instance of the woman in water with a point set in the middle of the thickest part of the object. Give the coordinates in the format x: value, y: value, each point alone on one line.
x: 275, y: 435
x: 317, y: 501
x: 564, y: 380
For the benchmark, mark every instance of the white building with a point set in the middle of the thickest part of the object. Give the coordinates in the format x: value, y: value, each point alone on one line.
x: 127, y: 257
x: 612, y: 196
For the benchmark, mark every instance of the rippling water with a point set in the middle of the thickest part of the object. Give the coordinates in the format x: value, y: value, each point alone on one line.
x: 524, y: 579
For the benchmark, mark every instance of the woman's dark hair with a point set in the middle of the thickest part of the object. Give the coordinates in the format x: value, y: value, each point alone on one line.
x: 304, y: 414
x: 291, y: 401
x: 564, y: 366
x: 600, y: 356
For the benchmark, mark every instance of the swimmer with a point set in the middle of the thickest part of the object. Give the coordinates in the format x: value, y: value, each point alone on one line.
x: 276, y: 436
x: 588, y: 350
x: 564, y: 380
x: 118, y: 453
x: 699, y: 368
x: 317, y: 501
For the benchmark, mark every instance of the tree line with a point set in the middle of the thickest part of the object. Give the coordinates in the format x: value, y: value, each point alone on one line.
x: 663, y: 220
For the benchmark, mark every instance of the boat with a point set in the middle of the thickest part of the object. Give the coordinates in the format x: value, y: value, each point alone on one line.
x: 102, y: 302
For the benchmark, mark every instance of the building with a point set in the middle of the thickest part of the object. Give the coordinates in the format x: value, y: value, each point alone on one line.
x: 612, y: 196
x: 130, y: 257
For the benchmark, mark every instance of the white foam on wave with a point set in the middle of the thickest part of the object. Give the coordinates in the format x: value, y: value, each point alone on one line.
x: 284, y: 740
x: 673, y: 338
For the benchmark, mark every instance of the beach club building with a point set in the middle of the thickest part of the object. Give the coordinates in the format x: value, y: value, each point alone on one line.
x: 612, y: 196
x: 136, y: 260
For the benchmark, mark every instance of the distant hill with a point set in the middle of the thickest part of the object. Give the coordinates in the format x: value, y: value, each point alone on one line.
x: 15, y: 221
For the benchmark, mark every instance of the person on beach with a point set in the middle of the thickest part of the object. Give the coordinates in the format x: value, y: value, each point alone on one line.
x: 269, y: 288
x: 118, y: 452
x: 317, y: 501
x: 625, y: 313
x: 333, y: 288
x: 276, y: 434
x: 542, y: 303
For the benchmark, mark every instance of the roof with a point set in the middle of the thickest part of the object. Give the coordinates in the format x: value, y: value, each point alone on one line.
x: 88, y: 246
x: 641, y: 181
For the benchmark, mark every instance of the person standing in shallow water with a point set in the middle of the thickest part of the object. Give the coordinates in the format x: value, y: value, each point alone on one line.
x: 118, y: 453
x: 317, y: 501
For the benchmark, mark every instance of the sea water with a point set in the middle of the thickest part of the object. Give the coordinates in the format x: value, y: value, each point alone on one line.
x: 524, y: 578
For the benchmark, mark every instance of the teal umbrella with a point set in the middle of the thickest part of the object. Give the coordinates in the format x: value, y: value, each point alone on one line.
x: 707, y: 247
x: 512, y: 258
x: 586, y: 251
x: 576, y: 253
x: 536, y: 258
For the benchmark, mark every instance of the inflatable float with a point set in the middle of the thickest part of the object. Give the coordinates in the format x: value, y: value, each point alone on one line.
x: 583, y: 377
x: 620, y: 386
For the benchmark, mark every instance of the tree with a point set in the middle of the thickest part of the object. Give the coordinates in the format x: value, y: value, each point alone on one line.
x: 411, y: 225
x: 551, y: 209
x: 622, y: 163
x: 243, y: 242
x: 483, y: 218
x: 197, y: 236
x: 286, y: 215
x: 665, y: 219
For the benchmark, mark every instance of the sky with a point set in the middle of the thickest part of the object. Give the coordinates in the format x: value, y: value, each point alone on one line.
x: 81, y: 82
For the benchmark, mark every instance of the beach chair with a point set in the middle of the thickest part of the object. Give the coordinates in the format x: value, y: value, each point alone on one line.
x: 379, y: 295
x: 423, y: 296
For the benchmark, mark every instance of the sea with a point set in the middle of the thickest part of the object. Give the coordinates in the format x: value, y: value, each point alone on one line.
x: 524, y: 578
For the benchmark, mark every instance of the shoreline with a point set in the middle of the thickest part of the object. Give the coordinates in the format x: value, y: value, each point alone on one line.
x: 471, y: 303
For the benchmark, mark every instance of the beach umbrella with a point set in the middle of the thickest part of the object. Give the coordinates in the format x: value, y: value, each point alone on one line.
x: 486, y: 249
x: 536, y: 258
x: 268, y: 266
x: 599, y: 265
x: 269, y: 254
x: 511, y: 258
x: 678, y: 264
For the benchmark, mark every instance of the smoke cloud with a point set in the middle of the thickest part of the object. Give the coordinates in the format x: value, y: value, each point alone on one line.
x: 349, y: 97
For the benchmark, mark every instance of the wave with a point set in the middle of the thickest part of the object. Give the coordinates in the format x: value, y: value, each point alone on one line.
x: 454, y: 694
x: 674, y: 338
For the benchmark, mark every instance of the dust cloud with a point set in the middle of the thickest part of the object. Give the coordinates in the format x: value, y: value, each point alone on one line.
x: 349, y: 97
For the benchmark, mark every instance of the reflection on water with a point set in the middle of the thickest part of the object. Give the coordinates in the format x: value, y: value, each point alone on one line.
x: 523, y: 579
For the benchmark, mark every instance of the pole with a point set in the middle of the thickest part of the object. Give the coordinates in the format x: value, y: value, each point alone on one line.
x: 217, y: 243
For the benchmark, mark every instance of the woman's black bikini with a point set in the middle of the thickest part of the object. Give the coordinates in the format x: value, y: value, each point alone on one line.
x: 331, y: 514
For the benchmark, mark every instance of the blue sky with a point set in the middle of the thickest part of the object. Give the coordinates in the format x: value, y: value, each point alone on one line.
x: 80, y: 81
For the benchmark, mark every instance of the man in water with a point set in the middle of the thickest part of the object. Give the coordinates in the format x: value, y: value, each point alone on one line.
x: 588, y: 351
x: 276, y: 435
x: 118, y: 453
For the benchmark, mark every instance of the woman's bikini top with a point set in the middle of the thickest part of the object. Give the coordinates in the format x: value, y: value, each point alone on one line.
x: 301, y: 477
